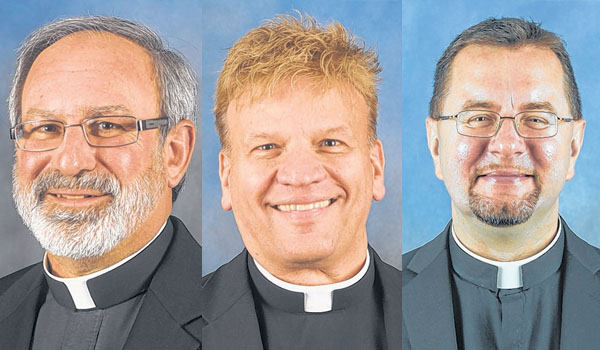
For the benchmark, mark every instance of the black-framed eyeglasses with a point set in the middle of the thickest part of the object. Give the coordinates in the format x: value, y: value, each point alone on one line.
x: 103, y: 131
x: 528, y: 124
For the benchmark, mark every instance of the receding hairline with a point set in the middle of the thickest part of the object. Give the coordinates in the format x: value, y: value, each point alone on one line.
x: 88, y: 36
x: 511, y: 47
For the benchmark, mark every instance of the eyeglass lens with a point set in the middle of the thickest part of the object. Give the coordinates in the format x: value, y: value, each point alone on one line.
x: 531, y: 124
x: 107, y: 131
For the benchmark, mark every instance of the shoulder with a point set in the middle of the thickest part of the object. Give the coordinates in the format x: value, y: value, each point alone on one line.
x: 425, y: 256
x: 226, y: 273
x: 580, y: 250
x: 224, y: 287
x: 7, y: 281
x: 385, y: 270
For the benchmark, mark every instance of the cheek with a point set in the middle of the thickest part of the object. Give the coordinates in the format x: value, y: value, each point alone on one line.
x: 28, y: 165
x: 126, y: 164
x: 550, y: 160
x: 249, y: 180
x: 461, y: 156
x: 463, y: 150
x: 549, y: 151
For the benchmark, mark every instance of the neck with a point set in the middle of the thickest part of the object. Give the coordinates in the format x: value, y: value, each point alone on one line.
x: 320, y: 272
x: 65, y: 267
x: 506, y: 243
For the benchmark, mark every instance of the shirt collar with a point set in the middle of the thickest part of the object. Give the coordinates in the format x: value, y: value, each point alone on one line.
x: 114, y: 284
x: 508, y: 274
x: 316, y: 298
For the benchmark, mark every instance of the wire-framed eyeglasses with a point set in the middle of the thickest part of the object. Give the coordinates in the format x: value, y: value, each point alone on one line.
x: 102, y: 131
x: 528, y: 124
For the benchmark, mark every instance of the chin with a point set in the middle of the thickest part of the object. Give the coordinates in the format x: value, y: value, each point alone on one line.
x: 308, y: 254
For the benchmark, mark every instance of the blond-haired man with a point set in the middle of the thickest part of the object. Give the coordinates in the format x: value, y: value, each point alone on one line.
x: 296, y: 110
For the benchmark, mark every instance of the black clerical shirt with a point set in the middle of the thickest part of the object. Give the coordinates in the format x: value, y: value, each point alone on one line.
x: 117, y: 296
x: 355, y: 321
x: 487, y: 317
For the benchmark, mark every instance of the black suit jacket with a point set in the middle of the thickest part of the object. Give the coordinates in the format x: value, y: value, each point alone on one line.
x: 169, y: 317
x: 231, y: 315
x: 427, y: 305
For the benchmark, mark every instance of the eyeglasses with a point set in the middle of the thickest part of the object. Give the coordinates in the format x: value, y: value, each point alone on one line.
x: 528, y: 124
x: 104, y: 131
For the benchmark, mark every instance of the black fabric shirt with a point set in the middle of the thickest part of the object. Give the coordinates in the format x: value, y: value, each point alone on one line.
x: 521, y: 318
x: 355, y: 321
x: 117, y: 294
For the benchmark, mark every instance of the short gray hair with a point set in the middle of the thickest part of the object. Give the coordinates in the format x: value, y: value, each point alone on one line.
x: 175, y: 77
x: 506, y: 32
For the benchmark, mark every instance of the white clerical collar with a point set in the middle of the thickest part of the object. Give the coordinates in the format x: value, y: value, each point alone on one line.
x: 316, y: 298
x: 509, y: 272
x: 77, y: 286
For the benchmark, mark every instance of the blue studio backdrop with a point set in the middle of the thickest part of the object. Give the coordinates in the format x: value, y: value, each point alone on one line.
x: 429, y: 26
x: 378, y: 23
x: 178, y: 23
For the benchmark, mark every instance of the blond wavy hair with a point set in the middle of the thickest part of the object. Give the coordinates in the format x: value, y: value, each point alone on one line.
x: 287, y: 48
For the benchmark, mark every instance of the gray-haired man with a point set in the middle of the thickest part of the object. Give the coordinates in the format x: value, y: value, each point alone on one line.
x: 102, y: 118
x: 504, y: 131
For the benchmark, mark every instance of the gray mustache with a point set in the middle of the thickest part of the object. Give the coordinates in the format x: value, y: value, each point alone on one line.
x: 104, y: 183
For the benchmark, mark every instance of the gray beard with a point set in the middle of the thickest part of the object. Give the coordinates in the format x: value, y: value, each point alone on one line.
x: 92, y: 231
x: 503, y: 214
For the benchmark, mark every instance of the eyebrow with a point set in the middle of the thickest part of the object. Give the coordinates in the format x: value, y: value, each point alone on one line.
x: 335, y: 130
x: 473, y: 105
x: 544, y: 106
x: 527, y: 106
x: 89, y: 111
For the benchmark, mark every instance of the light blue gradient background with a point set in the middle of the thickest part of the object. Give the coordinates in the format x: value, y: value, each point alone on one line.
x: 178, y: 23
x: 378, y: 23
x: 427, y: 28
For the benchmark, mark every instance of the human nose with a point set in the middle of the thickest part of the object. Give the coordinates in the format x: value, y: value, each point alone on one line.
x: 74, y: 155
x: 507, y: 141
x: 301, y: 168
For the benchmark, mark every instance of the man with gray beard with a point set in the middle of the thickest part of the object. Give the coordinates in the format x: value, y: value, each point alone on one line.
x: 504, y: 130
x: 102, y: 117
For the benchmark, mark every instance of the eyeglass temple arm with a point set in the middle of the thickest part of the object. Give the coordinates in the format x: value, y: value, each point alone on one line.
x: 445, y: 117
x: 146, y: 124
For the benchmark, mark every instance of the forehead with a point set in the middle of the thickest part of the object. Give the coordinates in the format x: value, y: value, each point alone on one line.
x: 84, y: 49
x: 87, y: 66
x: 506, y: 75
x: 297, y: 102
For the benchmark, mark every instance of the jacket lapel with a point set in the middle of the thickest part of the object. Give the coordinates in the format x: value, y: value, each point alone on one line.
x: 170, y: 314
x: 427, y: 306
x: 19, y: 307
x: 581, y: 294
x: 230, y: 315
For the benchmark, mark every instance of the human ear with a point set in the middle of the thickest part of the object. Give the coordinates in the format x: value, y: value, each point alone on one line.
x: 433, y: 142
x: 576, y: 143
x: 378, y: 163
x: 178, y: 147
x: 224, y: 173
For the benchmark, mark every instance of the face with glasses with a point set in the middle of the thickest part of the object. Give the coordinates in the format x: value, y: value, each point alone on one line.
x: 89, y: 163
x: 505, y: 141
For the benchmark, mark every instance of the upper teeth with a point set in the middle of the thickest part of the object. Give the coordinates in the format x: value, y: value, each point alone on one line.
x: 70, y: 196
x: 301, y: 207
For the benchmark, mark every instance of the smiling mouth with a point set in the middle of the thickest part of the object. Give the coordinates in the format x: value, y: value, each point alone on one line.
x: 304, y: 207
x: 73, y: 196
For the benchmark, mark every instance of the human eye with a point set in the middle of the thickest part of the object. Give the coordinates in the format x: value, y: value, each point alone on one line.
x: 330, y: 143
x: 109, y: 127
x: 266, y: 147
x: 536, y: 120
x: 42, y: 130
x: 478, y: 119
